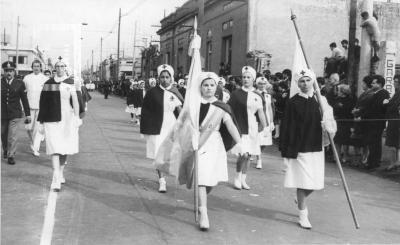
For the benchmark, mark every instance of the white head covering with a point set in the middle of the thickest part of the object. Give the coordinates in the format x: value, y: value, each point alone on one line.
x: 134, y: 82
x: 140, y: 82
x: 208, y: 75
x: 305, y: 73
x: 181, y: 82
x: 250, y: 70
x: 261, y: 79
x: 222, y: 80
x: 152, y: 81
x: 166, y: 67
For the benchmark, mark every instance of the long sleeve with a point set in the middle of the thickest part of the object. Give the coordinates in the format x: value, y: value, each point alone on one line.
x: 24, y: 100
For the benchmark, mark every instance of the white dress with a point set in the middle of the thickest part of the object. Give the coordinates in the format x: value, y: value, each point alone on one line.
x: 62, y: 137
x: 266, y: 138
x: 251, y: 141
x: 153, y: 142
x: 305, y: 172
x: 212, y: 155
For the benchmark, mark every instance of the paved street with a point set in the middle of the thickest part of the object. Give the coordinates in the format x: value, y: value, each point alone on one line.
x: 111, y: 198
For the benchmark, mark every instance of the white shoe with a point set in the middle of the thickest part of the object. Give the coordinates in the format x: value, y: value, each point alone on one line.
x: 244, y: 184
x: 36, y: 153
x: 55, y: 184
x: 259, y: 164
x: 303, y: 219
x: 204, y: 224
x: 62, y: 179
x: 237, y: 183
x: 163, y: 185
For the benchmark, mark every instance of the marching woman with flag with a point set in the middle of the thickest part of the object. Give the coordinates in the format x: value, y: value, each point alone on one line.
x: 265, y: 138
x: 161, y: 106
x: 247, y: 106
x: 218, y: 133
x: 301, y: 141
x: 59, y: 116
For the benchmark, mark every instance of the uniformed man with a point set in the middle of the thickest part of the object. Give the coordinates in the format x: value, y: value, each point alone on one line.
x: 34, y: 85
x: 13, y: 92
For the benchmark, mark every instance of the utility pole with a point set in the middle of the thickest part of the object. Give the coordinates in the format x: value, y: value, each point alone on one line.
x: 91, y: 68
x: 17, y: 51
x: 101, y: 59
x: 134, y: 49
x: 4, y: 38
x: 351, y: 59
x: 365, y: 53
x: 119, y: 29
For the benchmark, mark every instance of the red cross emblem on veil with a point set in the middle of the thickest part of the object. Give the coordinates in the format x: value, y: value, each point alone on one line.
x: 302, y: 73
x: 164, y: 66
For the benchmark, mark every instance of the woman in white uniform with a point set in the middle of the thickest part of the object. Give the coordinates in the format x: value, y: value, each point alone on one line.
x: 59, y: 114
x: 265, y: 137
x: 216, y: 122
x: 247, y: 106
x: 161, y: 106
x: 301, y: 142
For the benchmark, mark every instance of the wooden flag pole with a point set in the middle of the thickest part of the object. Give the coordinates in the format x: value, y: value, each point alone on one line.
x: 196, y: 186
x: 335, y: 153
x: 196, y: 160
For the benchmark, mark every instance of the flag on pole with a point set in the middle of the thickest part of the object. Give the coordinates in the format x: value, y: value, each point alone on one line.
x: 176, y: 154
x: 299, y: 64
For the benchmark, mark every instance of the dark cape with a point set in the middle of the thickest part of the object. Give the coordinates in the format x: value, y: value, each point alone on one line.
x: 153, y: 110
x: 238, y: 103
x: 227, y: 138
x: 50, y: 101
x: 137, y: 98
x: 301, y: 129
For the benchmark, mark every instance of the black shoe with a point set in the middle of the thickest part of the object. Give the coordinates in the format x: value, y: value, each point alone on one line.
x: 11, y: 161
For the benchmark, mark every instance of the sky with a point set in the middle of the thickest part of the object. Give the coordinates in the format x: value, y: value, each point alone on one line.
x: 49, y: 24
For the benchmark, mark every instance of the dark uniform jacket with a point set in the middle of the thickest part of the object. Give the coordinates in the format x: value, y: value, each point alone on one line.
x: 11, y: 97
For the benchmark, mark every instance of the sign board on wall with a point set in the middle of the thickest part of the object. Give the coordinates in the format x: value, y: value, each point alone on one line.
x: 390, y: 66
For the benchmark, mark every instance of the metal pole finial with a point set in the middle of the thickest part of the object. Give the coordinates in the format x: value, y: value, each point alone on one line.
x: 292, y: 15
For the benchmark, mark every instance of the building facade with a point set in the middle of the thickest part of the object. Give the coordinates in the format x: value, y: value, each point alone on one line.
x: 150, y: 61
x: 25, y: 58
x: 259, y: 33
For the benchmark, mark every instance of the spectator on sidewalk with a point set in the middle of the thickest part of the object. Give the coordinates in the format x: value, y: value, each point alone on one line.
x: 393, y: 127
x: 342, y: 111
x: 359, y: 134
x: 375, y: 112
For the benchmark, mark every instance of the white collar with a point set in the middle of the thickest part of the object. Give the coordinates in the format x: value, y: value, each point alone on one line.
x: 310, y: 94
x: 206, y: 101
x: 167, y: 88
x: 248, y: 89
x: 261, y: 91
x: 60, y: 79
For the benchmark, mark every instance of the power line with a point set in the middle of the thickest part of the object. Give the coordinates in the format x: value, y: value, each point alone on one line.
x: 134, y: 8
